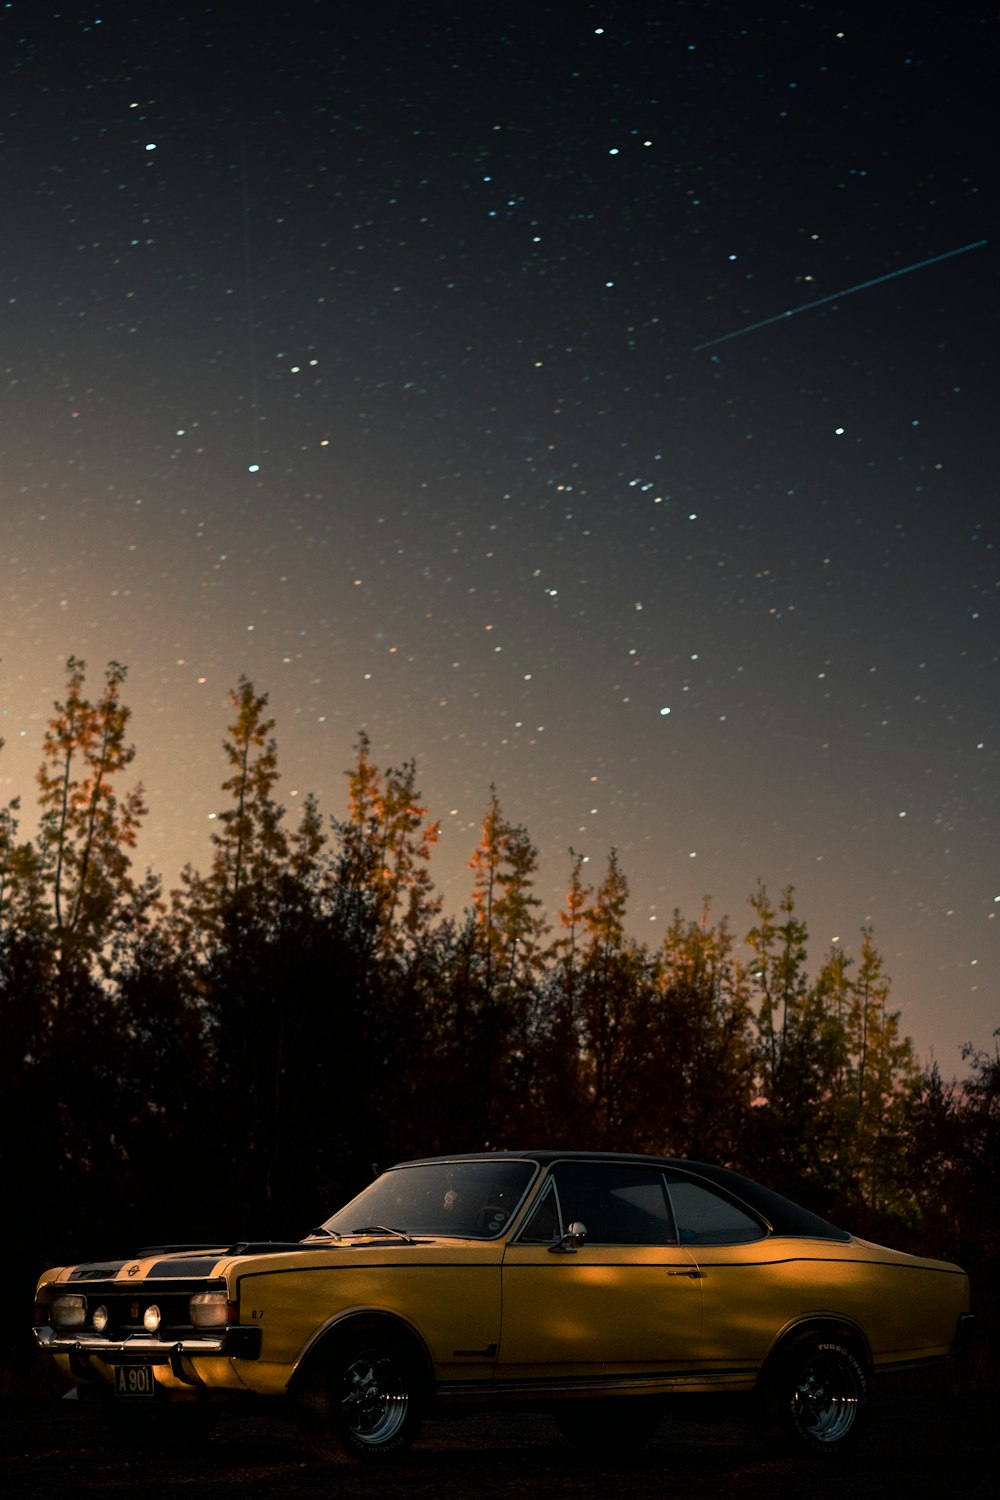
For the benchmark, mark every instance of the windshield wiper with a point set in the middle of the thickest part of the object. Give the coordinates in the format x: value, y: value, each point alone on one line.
x: 384, y: 1229
x: 323, y: 1230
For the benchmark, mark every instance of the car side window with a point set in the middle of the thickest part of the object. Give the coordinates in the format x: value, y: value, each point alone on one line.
x: 705, y: 1218
x: 542, y: 1225
x: 618, y: 1204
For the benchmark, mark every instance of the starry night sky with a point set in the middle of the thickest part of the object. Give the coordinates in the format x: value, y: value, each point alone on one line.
x: 361, y: 350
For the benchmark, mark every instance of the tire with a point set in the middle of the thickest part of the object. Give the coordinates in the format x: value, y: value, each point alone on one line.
x: 360, y: 1402
x: 816, y: 1398
x: 618, y: 1425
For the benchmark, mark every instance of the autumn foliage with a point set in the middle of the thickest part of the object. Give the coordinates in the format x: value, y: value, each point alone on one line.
x: 234, y: 1057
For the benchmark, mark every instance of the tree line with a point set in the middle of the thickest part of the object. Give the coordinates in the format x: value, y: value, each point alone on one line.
x: 234, y: 1057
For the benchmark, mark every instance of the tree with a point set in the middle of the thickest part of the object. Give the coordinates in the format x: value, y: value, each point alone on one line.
x: 24, y: 908
x: 949, y: 1158
x: 387, y: 843
x: 8, y: 848
x: 701, y: 1042
x: 458, y: 1082
x: 800, y: 1056
x: 252, y: 848
x: 571, y: 918
x: 560, y: 1104
x: 251, y: 929
x: 780, y: 950
x: 615, y: 995
x: 253, y: 858
x: 882, y: 1067
x: 507, y: 931
x: 87, y: 828
x: 507, y: 922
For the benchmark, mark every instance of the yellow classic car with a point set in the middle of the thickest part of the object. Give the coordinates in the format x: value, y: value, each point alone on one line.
x: 595, y: 1284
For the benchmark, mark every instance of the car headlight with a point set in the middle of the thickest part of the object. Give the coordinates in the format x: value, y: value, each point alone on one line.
x: 99, y: 1319
x: 209, y: 1310
x: 69, y: 1312
x: 151, y: 1318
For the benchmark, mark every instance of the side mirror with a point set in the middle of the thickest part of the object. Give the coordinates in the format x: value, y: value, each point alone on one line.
x: 572, y: 1240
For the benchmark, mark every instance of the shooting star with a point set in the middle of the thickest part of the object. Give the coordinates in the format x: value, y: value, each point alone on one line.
x: 253, y: 468
x: 862, y: 286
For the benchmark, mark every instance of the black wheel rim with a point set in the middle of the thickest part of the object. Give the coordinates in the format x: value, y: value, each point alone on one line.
x: 375, y: 1399
x: 826, y: 1398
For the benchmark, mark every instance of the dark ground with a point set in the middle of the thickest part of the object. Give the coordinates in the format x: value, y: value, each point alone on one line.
x: 921, y: 1444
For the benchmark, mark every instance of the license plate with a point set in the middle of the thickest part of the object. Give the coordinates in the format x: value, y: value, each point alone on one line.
x: 134, y: 1380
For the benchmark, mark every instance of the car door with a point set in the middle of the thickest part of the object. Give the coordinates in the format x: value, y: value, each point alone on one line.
x: 751, y: 1283
x: 625, y: 1303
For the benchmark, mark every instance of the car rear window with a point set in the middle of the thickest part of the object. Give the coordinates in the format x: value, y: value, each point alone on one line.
x: 706, y: 1218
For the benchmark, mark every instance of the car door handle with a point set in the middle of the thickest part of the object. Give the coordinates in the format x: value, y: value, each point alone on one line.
x: 695, y: 1275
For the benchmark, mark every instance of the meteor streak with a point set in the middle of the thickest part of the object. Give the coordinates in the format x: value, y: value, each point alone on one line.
x: 862, y: 286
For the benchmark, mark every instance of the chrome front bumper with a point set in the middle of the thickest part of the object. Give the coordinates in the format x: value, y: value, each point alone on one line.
x: 231, y: 1343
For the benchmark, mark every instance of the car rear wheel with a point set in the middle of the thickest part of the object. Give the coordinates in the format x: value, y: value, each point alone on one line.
x: 816, y: 1397
x: 360, y: 1402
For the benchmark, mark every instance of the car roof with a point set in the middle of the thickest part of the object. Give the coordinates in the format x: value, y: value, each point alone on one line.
x: 783, y: 1216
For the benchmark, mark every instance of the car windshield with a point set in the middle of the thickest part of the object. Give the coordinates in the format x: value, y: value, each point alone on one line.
x: 460, y: 1199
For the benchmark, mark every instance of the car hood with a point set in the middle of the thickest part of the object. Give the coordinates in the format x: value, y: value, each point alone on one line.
x: 211, y: 1263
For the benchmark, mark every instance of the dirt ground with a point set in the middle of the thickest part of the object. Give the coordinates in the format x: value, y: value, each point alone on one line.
x: 922, y: 1444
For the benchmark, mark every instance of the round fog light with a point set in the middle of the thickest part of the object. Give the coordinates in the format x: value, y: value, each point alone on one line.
x: 100, y: 1319
x: 151, y: 1318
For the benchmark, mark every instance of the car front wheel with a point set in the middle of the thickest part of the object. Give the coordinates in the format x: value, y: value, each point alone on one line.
x: 361, y: 1402
x: 816, y: 1397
